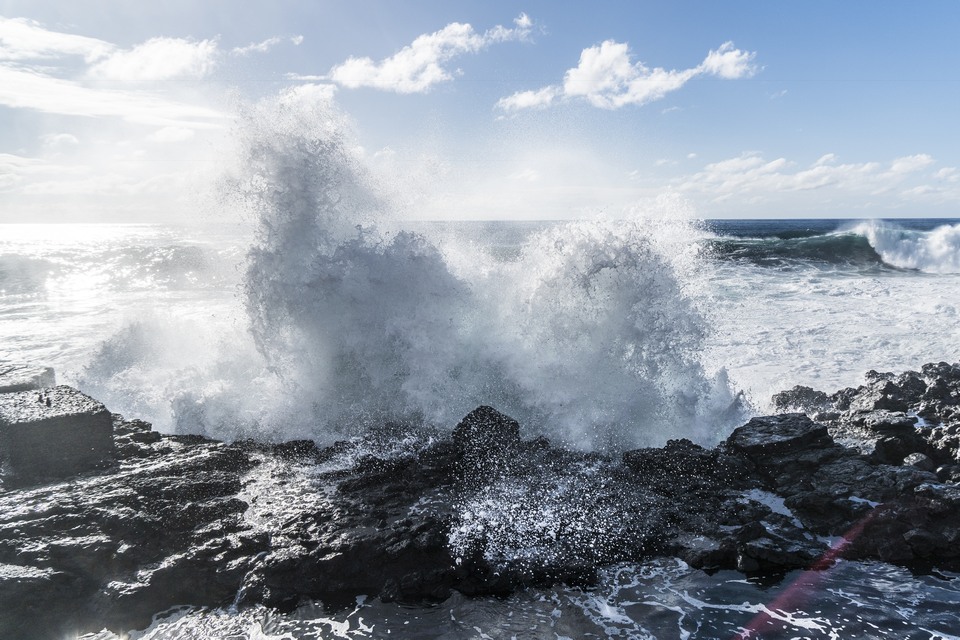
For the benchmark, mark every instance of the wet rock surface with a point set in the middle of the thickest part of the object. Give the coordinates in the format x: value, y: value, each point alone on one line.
x: 410, y: 515
x: 52, y: 432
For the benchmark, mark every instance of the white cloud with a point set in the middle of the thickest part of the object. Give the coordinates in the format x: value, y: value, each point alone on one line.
x: 607, y: 77
x: 909, y: 164
x: 95, y: 87
x: 59, y: 140
x: 754, y: 178
x: 529, y: 99
x: 523, y: 22
x: 257, y: 47
x: 265, y: 45
x: 23, y: 39
x: 421, y: 65
x: 25, y: 89
x: 729, y: 63
x: 948, y: 174
x: 159, y: 59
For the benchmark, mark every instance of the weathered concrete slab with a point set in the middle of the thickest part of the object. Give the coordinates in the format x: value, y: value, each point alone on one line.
x: 24, y: 377
x: 53, y: 432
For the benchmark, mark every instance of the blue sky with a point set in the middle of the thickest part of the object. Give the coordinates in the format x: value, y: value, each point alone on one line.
x: 122, y: 111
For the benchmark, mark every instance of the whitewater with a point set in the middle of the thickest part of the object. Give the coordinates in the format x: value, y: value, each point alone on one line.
x: 319, y: 311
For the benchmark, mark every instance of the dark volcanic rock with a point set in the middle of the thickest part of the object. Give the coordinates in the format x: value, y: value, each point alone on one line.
x: 53, y: 432
x: 800, y: 398
x: 122, y: 545
x: 486, y: 430
x: 770, y: 435
x: 486, y: 440
x: 410, y: 515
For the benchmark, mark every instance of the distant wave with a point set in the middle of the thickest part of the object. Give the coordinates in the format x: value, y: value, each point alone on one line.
x: 831, y: 249
x: 868, y: 244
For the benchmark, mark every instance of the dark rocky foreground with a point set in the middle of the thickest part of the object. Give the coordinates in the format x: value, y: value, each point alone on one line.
x: 410, y: 516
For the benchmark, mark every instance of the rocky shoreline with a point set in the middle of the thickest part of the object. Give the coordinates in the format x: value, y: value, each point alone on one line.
x: 411, y: 516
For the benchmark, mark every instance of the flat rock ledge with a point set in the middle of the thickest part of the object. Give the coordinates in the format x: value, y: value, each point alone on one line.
x: 410, y: 515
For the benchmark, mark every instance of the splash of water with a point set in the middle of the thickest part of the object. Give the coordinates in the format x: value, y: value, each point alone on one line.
x: 590, y: 335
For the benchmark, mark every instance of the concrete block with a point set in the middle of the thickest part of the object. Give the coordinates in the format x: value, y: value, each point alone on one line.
x: 24, y: 377
x: 53, y: 432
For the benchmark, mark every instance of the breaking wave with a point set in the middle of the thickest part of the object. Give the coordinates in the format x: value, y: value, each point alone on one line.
x: 935, y: 251
x: 589, y: 334
x: 866, y: 245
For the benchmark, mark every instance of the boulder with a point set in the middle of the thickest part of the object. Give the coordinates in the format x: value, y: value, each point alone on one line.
x: 800, y: 398
x: 485, y: 428
x: 25, y: 377
x: 775, y: 435
x: 919, y: 461
x: 53, y: 432
x: 486, y: 441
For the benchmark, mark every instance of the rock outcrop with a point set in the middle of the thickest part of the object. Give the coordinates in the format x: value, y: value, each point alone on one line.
x: 53, y: 432
x: 411, y: 515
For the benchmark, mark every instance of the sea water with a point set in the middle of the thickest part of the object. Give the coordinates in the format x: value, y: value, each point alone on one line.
x: 316, y: 312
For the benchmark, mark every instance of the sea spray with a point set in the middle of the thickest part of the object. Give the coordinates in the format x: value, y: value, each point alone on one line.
x: 590, y: 335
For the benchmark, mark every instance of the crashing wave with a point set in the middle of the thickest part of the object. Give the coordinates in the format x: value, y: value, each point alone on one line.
x: 590, y: 335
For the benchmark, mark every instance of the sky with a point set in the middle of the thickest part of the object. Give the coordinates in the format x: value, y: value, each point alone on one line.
x: 125, y: 112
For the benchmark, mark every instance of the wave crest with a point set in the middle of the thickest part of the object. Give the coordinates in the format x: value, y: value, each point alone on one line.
x: 935, y: 251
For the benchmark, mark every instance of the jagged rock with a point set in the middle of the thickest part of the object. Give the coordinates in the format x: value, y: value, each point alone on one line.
x: 883, y: 422
x: 187, y: 520
x: 53, y: 432
x: 771, y: 435
x: 485, y: 429
x: 486, y: 440
x: 800, y: 398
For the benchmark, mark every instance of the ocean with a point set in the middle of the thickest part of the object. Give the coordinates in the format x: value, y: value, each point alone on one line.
x: 604, y: 334
x: 574, y: 320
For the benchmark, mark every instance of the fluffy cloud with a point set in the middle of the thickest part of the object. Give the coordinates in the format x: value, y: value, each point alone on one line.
x: 421, y: 65
x: 159, y: 59
x: 607, y: 77
x: 66, y: 74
